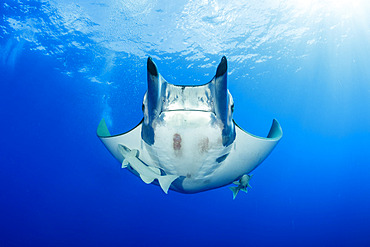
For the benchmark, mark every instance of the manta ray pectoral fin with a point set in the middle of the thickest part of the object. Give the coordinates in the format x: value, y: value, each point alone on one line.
x: 131, y: 138
x: 253, y: 150
x: 235, y: 191
x: 166, y: 181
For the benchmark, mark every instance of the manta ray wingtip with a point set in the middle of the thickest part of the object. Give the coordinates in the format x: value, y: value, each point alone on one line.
x: 276, y: 131
x: 102, y: 130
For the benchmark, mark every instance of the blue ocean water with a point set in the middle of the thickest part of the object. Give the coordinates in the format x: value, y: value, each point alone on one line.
x: 66, y: 64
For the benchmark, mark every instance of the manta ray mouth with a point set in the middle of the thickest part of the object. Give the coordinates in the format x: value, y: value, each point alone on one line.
x: 182, y: 119
x: 187, y: 110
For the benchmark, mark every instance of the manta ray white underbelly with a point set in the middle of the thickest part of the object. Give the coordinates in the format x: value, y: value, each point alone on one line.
x: 188, y: 140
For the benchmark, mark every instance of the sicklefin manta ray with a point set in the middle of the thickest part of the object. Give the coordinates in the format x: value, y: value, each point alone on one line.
x: 188, y: 140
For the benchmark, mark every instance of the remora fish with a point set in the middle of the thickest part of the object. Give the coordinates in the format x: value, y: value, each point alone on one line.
x: 146, y: 173
x: 243, y: 184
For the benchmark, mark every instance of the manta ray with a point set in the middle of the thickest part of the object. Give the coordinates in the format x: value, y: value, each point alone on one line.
x: 188, y: 140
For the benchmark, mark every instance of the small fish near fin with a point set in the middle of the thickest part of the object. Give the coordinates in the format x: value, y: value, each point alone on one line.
x: 243, y: 184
